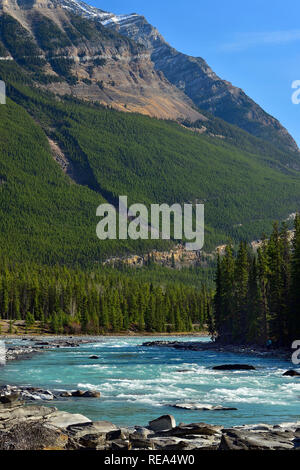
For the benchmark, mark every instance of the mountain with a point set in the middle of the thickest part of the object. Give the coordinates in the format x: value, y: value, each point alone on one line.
x: 82, y: 58
x: 64, y: 150
x: 144, y: 75
x: 193, y: 76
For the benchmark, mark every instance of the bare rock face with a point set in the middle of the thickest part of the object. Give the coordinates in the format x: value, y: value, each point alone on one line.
x: 90, y: 62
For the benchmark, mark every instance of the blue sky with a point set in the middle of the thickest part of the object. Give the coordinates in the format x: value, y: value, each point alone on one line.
x: 253, y: 44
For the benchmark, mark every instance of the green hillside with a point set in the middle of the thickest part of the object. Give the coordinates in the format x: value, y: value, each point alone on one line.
x: 44, y: 215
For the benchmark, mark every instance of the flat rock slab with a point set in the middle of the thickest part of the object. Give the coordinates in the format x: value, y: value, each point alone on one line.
x: 195, y: 429
x: 23, y: 413
x: 96, y: 427
x: 247, y: 440
x: 62, y: 419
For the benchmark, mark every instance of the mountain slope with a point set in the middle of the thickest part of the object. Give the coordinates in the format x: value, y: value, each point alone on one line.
x: 60, y: 157
x: 193, y: 76
x: 54, y: 220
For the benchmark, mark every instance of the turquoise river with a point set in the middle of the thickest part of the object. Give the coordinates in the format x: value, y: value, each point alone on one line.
x: 140, y: 383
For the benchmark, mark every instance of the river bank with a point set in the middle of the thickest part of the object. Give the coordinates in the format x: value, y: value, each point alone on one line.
x: 39, y: 344
x: 44, y: 342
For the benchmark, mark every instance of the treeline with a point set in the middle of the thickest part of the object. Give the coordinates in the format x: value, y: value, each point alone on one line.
x: 75, y: 301
x: 257, y: 297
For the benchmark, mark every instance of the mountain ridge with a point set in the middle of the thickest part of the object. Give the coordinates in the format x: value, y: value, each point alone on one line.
x: 205, y: 88
x: 171, y: 85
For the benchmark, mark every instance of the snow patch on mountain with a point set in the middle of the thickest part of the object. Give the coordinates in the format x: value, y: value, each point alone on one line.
x: 119, y: 19
x: 86, y: 10
x: 106, y: 18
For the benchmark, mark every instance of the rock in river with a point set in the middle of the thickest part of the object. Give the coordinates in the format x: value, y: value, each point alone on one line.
x: 291, y: 373
x: 91, y: 394
x: 86, y: 394
x: 234, y: 367
x: 202, y: 407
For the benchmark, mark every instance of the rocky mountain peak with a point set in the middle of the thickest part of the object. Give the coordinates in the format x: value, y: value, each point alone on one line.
x: 194, y: 83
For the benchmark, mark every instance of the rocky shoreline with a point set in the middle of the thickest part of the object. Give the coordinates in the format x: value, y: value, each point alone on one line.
x: 39, y: 344
x: 252, y: 350
x: 45, y: 428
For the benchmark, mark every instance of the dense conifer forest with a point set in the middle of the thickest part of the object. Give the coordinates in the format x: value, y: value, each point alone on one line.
x: 257, y: 297
x: 73, y: 301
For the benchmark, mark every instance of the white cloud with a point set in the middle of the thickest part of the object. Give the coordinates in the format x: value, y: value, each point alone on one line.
x: 247, y: 40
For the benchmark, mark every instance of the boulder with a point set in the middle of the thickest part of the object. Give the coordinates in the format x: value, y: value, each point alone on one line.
x: 234, y: 367
x: 94, y: 357
x: 162, y: 423
x: 10, y: 399
x: 291, y: 373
